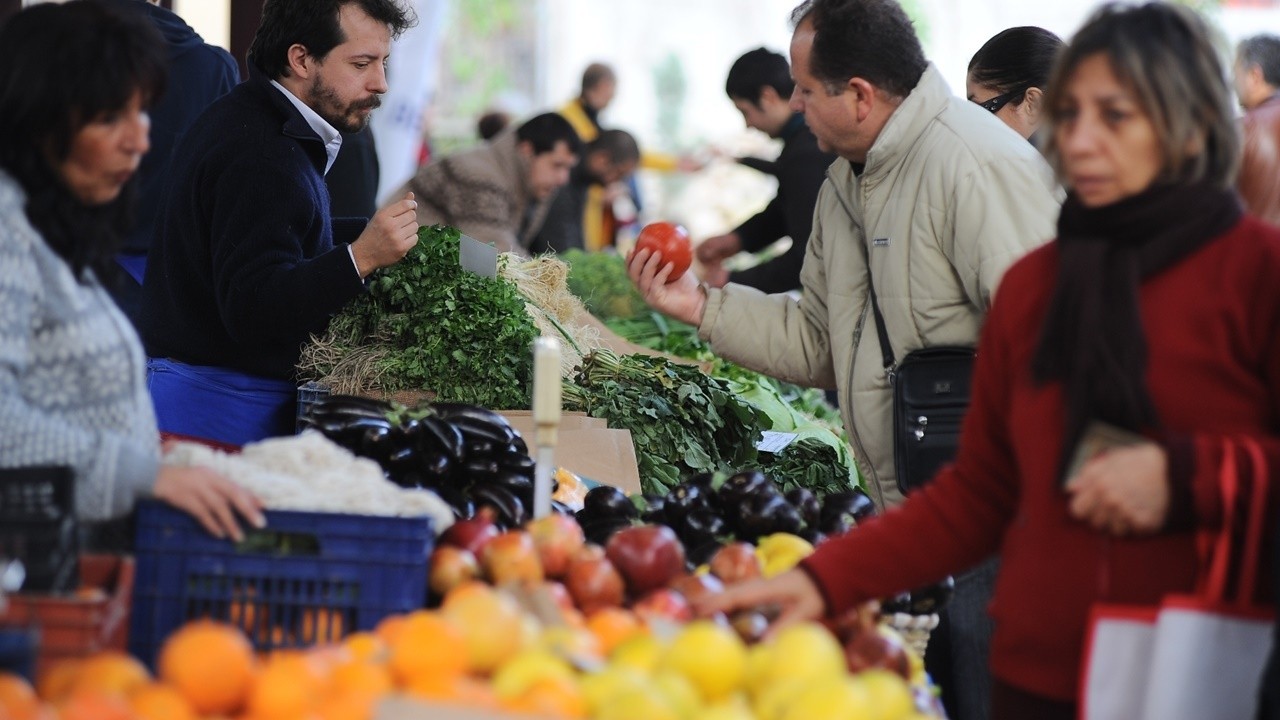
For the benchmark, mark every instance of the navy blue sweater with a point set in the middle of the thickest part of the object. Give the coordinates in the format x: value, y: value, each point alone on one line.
x: 245, y: 264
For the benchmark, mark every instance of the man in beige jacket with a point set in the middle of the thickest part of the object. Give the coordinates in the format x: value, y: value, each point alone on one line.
x: 932, y: 198
x: 499, y: 192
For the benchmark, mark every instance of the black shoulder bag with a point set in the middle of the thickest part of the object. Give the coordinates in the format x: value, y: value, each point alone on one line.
x: 930, y: 396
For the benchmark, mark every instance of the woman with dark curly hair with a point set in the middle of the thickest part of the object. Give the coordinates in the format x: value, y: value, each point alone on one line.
x: 76, y: 80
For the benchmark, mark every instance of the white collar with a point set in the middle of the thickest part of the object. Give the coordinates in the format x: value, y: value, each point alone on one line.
x: 328, y: 134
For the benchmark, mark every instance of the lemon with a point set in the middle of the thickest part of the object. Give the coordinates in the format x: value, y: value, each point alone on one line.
x: 515, y: 676
x: 780, y: 552
x: 805, y: 650
x: 831, y: 698
x: 711, y: 656
x: 639, y: 652
x: 603, y: 688
x: 636, y: 704
x: 890, y: 695
x: 679, y: 693
x: 771, y: 700
x: 734, y: 707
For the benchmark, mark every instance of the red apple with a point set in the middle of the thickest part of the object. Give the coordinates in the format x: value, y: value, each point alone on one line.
x: 648, y: 557
x: 511, y: 557
x: 696, y: 587
x: 666, y: 605
x: 593, y: 582
x: 450, y: 567
x: 735, y: 563
x: 471, y: 534
x: 557, y: 538
x: 590, y: 551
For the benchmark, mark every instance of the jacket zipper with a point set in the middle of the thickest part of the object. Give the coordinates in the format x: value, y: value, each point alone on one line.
x: 853, y: 363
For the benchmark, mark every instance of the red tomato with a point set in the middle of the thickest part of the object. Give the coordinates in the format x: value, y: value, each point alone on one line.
x: 669, y: 240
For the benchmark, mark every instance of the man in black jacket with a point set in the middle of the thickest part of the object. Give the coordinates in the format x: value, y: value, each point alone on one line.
x: 760, y: 85
x: 199, y: 73
x: 247, y: 261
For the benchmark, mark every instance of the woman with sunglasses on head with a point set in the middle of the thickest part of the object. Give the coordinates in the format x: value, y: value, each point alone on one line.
x: 1154, y: 312
x: 76, y: 80
x: 1008, y: 75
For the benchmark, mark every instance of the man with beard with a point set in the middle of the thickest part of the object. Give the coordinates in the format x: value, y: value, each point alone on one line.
x: 607, y: 162
x: 247, y: 261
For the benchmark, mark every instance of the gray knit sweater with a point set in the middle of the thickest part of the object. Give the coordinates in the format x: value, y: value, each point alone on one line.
x: 72, y: 379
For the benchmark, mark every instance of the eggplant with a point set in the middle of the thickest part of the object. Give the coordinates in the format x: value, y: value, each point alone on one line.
x: 454, y: 412
x: 480, y: 469
x: 807, y: 503
x: 758, y: 515
x: 813, y: 535
x: 844, y: 510
x: 477, y: 431
x: 609, y: 501
x: 519, y: 445
x: 598, y: 529
x: 515, y: 482
x: 511, y: 512
x: 703, y: 480
x: 480, y: 449
x: 517, y: 463
x: 786, y: 518
x: 442, y: 436
x: 682, y: 500
x: 654, y: 505
x: 932, y: 598
x: 436, y: 468
x: 701, y: 554
x: 404, y: 460
x: 375, y: 442
x: 457, y: 500
x: 701, y: 526
x: 351, y: 406
x: 900, y: 603
x: 742, y: 485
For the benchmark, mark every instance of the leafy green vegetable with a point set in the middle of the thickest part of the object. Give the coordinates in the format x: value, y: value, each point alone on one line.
x: 600, y: 280
x: 682, y: 421
x: 427, y: 324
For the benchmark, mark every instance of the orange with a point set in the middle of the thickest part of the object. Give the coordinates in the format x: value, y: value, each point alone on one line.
x: 551, y: 697
x: 289, y: 687
x: 320, y: 626
x: 361, y: 679
x: 491, y: 622
x: 348, y: 707
x: 427, y: 644
x: 389, y: 627
x: 613, y: 625
x: 17, y: 697
x: 456, y: 690
x: 111, y: 672
x: 160, y: 702
x: 211, y: 664
x: 55, y: 683
x: 365, y: 646
x: 94, y: 705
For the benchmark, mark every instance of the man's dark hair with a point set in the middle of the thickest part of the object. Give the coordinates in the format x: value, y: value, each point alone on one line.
x: 491, y: 123
x: 315, y: 25
x: 595, y: 74
x: 1016, y: 60
x: 617, y: 145
x: 755, y: 71
x: 544, y: 131
x: 870, y: 39
x: 1263, y: 51
x: 61, y: 68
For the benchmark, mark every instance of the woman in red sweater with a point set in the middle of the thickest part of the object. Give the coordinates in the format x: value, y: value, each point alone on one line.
x: 1157, y: 310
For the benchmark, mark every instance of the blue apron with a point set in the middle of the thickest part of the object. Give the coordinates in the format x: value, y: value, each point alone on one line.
x: 219, y: 404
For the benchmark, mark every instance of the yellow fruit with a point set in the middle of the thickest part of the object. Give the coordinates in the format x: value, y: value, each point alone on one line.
x: 679, y: 693
x: 603, y: 688
x: 711, y: 656
x: 805, y: 650
x: 733, y: 708
x: 831, y: 698
x: 780, y: 552
x: 889, y: 694
x: 639, y: 652
x: 636, y: 705
x: 516, y: 675
x: 493, y: 626
x: 771, y: 700
x: 570, y: 643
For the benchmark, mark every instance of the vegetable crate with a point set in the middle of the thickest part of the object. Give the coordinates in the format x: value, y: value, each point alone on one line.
x: 306, y: 578
x: 38, y: 525
x: 94, y: 618
x: 309, y: 395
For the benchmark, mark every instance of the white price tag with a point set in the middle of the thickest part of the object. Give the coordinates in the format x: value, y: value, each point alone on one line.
x: 774, y: 442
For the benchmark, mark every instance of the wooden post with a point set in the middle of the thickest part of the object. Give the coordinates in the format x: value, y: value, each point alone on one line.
x: 245, y: 17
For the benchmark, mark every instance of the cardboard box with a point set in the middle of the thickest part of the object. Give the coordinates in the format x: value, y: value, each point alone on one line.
x: 587, y: 447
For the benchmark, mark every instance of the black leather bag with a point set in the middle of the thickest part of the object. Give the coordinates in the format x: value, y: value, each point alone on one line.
x: 930, y: 397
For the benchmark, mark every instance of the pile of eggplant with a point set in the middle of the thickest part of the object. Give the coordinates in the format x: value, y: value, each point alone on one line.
x: 747, y: 506
x: 470, y: 456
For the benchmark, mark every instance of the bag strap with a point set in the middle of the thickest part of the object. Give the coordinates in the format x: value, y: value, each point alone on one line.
x: 886, y: 349
x: 1252, y: 523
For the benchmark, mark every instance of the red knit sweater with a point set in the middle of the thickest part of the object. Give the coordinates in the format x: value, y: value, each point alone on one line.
x: 1212, y: 325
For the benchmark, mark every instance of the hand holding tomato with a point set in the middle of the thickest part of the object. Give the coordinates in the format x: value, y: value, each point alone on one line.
x: 663, y: 284
x: 671, y: 241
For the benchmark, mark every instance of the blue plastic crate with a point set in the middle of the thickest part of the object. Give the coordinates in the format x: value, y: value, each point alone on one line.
x: 305, y: 578
x: 309, y: 395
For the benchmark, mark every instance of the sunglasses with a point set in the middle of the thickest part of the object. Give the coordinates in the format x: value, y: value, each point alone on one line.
x: 994, y: 104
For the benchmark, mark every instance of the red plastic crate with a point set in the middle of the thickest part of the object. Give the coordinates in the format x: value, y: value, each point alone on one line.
x: 93, y: 619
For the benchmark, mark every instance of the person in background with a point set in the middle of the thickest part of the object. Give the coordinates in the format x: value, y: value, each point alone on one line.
x: 491, y: 123
x: 607, y: 161
x: 1008, y: 75
x: 760, y: 86
x: 1257, y: 80
x: 499, y: 192
x: 73, y: 132
x: 199, y: 73
x: 930, y: 201
x: 248, y: 262
x: 1107, y: 324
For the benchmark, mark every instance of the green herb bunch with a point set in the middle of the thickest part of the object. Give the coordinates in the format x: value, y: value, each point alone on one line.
x: 600, y: 280
x: 464, y: 337
x: 682, y: 421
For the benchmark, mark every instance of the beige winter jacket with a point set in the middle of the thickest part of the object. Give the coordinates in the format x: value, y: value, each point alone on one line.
x: 948, y: 199
x: 484, y: 192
